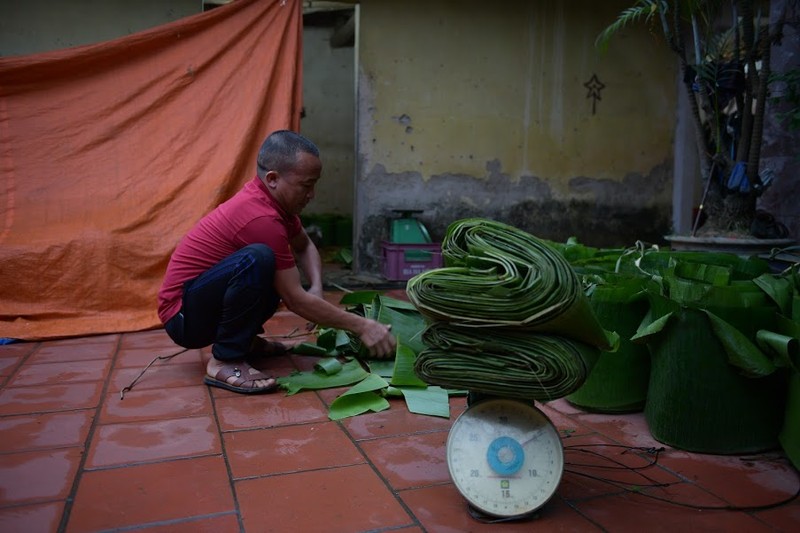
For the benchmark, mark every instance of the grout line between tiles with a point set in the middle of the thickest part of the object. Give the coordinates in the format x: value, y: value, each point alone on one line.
x: 167, y: 523
x: 303, y: 471
x: 395, y: 494
x: 15, y: 368
x: 228, y: 469
x: 153, y: 462
x: 87, y: 443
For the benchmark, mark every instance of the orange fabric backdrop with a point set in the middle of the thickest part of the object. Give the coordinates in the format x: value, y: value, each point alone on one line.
x: 109, y: 153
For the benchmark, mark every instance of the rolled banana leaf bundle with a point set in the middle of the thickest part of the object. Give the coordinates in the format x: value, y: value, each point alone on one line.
x: 508, y: 363
x: 498, y: 276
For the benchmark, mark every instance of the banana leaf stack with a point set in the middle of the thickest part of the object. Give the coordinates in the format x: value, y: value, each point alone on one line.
x: 718, y: 381
x: 508, y: 316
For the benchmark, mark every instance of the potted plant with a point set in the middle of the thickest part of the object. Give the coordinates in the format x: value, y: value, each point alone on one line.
x: 723, y: 48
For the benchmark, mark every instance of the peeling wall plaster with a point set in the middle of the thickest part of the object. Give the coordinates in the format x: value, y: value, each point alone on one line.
x: 508, y: 111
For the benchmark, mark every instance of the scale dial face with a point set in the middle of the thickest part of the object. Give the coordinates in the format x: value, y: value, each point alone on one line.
x: 505, y: 457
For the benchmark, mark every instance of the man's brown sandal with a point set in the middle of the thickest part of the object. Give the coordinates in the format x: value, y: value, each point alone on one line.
x: 246, y: 378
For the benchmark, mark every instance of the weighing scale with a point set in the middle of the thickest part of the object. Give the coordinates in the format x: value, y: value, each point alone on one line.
x: 505, y: 457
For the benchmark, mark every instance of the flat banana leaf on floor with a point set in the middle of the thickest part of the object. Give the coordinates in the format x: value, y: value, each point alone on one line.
x: 431, y: 401
x: 319, y: 378
x: 507, y: 363
x: 500, y: 276
x: 362, y: 398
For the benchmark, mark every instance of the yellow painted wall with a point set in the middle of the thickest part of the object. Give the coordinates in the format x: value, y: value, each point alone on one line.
x: 472, y: 89
x: 481, y: 81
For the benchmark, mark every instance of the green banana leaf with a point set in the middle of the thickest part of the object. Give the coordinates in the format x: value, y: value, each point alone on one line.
x: 351, y: 372
x: 360, y: 399
x: 407, y: 323
x: 403, y: 373
x: 509, y: 363
x: 431, y: 401
x: 498, y: 276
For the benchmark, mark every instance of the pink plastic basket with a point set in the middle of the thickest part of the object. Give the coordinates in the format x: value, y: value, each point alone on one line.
x: 402, y: 262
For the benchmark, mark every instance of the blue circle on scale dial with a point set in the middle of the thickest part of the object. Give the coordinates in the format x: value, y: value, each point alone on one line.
x: 505, y: 456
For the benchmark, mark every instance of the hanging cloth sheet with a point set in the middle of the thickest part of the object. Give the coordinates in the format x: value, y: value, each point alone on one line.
x: 110, y: 152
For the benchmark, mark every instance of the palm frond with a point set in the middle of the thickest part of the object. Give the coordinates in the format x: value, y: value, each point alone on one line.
x: 643, y: 9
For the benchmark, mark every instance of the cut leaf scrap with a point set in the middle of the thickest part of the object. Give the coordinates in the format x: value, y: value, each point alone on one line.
x: 431, y: 401
x: 351, y: 372
x: 360, y: 398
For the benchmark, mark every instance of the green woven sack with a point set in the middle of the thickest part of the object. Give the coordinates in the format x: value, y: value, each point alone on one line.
x: 710, y: 390
x: 790, y: 434
x: 618, y: 382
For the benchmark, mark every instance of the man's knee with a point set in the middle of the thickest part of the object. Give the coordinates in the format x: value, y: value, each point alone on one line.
x: 263, y: 258
x: 262, y: 273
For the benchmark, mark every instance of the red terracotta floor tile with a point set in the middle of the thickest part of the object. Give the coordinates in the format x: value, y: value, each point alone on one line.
x: 636, y: 513
x: 140, y: 357
x: 149, y: 494
x: 19, y: 400
x: 567, y: 425
x: 8, y: 365
x: 443, y: 509
x: 629, y: 428
x: 59, y: 352
x: 283, y: 323
x: 563, y: 406
x: 411, y: 460
x: 272, y: 366
x: 239, y: 411
x: 41, y: 518
x: 783, y: 518
x: 224, y: 523
x: 17, y: 349
x: 57, y: 373
x: 89, y: 339
x: 398, y: 420
x: 138, y: 442
x: 153, y: 404
x: 37, y: 476
x: 289, y: 449
x: 157, y: 377
x: 154, y: 339
x: 350, y: 498
x: 595, y: 466
x: 740, y: 480
x: 41, y: 431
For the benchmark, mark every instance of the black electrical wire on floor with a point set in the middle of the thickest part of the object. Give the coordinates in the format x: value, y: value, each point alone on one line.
x: 653, y: 483
x: 159, y: 358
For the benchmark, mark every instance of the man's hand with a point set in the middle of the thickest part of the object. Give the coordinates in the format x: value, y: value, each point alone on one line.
x: 378, y: 339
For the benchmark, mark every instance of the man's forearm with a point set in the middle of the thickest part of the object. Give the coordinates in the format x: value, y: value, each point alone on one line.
x: 310, y: 263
